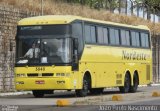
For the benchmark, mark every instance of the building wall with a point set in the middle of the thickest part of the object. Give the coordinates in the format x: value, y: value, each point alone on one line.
x: 9, y: 16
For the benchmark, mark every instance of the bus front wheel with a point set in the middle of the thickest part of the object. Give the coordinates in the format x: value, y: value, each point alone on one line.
x: 83, y: 92
x: 127, y: 84
x: 38, y: 93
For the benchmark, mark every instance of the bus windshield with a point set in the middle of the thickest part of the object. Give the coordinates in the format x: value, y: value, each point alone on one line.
x: 43, y: 51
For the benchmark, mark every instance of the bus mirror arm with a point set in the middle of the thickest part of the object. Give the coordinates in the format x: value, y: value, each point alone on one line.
x: 75, y: 56
x: 75, y: 64
x: 75, y: 50
x: 75, y: 43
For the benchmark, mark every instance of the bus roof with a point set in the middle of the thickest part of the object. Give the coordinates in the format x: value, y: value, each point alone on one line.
x: 66, y: 19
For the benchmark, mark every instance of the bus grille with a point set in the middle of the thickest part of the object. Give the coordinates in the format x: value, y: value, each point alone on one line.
x: 40, y: 75
x: 32, y: 75
x: 47, y: 74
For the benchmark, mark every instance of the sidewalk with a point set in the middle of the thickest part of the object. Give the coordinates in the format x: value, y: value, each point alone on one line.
x: 15, y: 93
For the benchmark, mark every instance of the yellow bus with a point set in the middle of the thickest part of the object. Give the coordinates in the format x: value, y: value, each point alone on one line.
x: 64, y: 52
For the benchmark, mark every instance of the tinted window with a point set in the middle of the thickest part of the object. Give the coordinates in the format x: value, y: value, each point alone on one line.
x: 93, y: 34
x: 147, y: 40
x: 125, y: 38
x: 105, y: 34
x: 77, y: 33
x: 144, y: 40
x: 135, y: 40
x: 43, y: 30
x: 114, y: 36
x: 100, y: 34
x: 87, y: 34
x: 117, y: 36
x: 77, y: 30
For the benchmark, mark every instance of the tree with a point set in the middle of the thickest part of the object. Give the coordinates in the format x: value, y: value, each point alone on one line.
x: 151, y: 6
x: 131, y: 2
x: 113, y: 4
x: 97, y: 4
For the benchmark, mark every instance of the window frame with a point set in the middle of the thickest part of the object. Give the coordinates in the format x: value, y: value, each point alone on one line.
x: 130, y: 29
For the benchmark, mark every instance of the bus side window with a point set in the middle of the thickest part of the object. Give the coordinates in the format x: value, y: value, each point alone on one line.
x: 125, y: 38
x: 78, y: 33
x: 105, y: 33
x: 117, y: 36
x: 147, y: 40
x: 93, y: 34
x: 138, y: 39
x: 100, y: 35
x: 114, y: 36
x: 87, y: 34
x: 135, y: 40
x: 77, y: 29
x: 144, y: 40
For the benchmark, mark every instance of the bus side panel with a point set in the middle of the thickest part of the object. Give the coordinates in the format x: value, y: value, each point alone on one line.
x: 108, y: 65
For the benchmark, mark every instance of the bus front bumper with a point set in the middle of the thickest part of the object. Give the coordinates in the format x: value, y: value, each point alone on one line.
x: 43, y: 83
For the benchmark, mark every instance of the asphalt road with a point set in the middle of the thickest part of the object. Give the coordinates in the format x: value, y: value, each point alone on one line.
x: 89, y: 103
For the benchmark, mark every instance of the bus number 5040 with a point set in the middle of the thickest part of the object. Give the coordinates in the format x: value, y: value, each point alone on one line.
x: 40, y: 68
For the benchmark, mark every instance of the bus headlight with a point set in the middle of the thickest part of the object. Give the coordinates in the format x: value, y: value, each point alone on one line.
x: 62, y: 74
x: 19, y: 82
x: 21, y: 75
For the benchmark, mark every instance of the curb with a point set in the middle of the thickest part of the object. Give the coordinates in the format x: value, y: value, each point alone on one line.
x: 149, y: 85
x: 15, y: 93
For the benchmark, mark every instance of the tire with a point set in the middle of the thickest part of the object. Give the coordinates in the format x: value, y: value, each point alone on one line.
x: 134, y: 88
x: 38, y: 93
x: 127, y: 84
x: 84, y: 91
x: 96, y: 90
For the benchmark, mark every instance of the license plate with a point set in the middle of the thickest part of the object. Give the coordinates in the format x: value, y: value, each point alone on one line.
x: 40, y: 82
